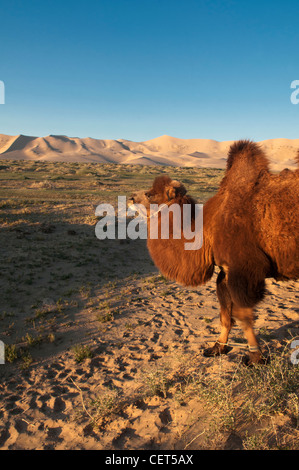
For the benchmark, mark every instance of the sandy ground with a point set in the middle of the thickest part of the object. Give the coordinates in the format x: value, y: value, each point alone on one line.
x: 132, y: 393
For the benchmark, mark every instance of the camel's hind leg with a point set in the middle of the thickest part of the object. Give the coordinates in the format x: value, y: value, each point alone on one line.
x: 246, y: 316
x: 226, y: 320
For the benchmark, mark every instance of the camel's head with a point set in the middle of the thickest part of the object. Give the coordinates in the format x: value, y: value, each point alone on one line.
x: 164, y: 190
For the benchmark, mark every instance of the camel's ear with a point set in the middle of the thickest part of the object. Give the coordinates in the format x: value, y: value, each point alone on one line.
x: 174, y: 189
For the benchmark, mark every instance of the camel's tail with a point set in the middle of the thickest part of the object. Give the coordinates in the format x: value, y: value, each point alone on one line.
x: 247, y: 154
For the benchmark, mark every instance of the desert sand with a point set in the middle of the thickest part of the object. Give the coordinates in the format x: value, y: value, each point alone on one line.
x: 155, y: 340
x: 164, y: 150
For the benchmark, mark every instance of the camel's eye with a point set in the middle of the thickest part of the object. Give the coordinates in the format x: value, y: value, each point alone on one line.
x: 148, y: 195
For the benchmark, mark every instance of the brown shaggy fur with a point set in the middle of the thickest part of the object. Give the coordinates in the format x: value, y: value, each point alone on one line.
x: 250, y: 231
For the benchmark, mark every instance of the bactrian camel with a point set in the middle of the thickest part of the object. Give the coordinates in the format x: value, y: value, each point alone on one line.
x: 250, y: 231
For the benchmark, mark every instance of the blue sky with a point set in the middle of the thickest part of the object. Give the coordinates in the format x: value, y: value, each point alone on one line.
x: 139, y: 69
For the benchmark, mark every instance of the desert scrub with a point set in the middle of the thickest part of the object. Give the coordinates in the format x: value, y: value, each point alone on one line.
x: 157, y: 279
x: 81, y: 352
x: 157, y: 381
x: 269, y: 389
x: 257, y: 441
x: 11, y: 353
x: 103, y: 305
x: 26, y: 360
x: 105, y: 404
x: 218, y: 395
x: 51, y: 308
x: 46, y: 184
x: 85, y: 292
x: 105, y: 317
x: 32, y: 341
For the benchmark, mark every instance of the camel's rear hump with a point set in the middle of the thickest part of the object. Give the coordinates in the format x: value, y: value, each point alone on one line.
x: 276, y: 221
x: 246, y: 160
x: 246, y: 150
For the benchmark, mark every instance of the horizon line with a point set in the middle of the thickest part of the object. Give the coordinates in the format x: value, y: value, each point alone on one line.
x: 147, y: 140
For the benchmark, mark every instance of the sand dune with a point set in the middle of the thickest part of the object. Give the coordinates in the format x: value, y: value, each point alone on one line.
x: 164, y: 150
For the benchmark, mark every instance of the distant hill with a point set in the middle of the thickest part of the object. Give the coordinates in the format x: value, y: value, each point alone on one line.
x: 164, y: 150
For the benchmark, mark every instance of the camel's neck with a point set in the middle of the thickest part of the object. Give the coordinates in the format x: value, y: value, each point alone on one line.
x: 171, y: 256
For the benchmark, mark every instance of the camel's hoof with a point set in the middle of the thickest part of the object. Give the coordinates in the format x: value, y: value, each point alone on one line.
x: 216, y: 350
x: 254, y: 358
